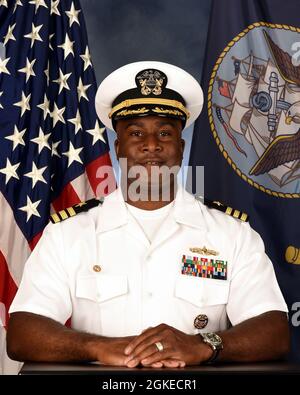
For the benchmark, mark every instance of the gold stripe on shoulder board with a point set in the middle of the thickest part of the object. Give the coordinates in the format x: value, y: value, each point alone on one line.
x: 76, y: 209
x: 225, y: 209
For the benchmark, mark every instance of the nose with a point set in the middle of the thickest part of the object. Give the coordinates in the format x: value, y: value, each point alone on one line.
x: 151, y: 144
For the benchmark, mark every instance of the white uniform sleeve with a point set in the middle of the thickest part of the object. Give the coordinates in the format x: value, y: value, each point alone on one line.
x: 254, y: 289
x: 44, y: 288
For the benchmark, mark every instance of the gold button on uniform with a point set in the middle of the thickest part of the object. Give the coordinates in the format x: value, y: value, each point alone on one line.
x: 97, y: 268
x: 200, y: 321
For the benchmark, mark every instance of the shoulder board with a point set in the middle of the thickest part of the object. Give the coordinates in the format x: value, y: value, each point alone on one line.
x: 76, y: 209
x: 225, y: 209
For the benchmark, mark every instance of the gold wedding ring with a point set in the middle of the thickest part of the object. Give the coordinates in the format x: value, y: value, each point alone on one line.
x: 159, y: 346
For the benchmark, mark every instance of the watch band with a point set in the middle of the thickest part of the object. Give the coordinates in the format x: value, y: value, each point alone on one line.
x: 214, y: 355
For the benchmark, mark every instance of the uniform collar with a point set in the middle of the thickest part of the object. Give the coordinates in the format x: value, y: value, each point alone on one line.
x: 114, y: 214
x: 188, y: 210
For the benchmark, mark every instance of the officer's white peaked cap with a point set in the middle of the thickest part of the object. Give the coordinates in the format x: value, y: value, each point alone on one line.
x: 148, y: 88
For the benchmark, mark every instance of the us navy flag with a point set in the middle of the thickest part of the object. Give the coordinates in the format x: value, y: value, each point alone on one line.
x: 248, y: 136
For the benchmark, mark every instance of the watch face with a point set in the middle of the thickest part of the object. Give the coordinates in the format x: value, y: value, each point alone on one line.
x: 213, y: 339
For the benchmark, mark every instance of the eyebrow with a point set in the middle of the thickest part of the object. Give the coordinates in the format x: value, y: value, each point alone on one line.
x: 158, y: 123
x: 165, y: 123
x: 134, y: 124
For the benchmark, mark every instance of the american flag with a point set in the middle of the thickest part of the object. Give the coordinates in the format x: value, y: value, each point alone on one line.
x: 51, y: 143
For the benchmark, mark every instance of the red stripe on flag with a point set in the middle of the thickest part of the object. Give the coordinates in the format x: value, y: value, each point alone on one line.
x: 35, y: 240
x: 8, y: 287
x: 67, y: 198
x: 95, y: 179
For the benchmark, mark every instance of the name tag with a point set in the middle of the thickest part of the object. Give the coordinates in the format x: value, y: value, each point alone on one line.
x: 204, y: 267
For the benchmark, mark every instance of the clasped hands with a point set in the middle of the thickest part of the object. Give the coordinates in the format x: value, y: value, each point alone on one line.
x: 165, y: 346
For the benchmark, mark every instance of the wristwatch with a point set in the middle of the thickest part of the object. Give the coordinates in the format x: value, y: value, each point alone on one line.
x: 215, y: 342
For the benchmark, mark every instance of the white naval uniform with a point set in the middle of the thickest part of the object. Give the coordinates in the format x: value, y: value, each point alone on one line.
x: 150, y: 220
x: 140, y: 283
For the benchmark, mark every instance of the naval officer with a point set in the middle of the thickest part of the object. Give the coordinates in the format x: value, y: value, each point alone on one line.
x: 163, y: 281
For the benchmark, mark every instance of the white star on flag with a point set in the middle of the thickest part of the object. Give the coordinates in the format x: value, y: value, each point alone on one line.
x: 16, y: 137
x: 45, y: 106
x: 97, y: 133
x: 18, y: 2
x: 36, y: 174
x: 81, y: 90
x: 31, y: 208
x: 10, y: 171
x: 67, y: 46
x: 3, y: 68
x: 73, y: 154
x: 4, y: 3
x: 57, y: 114
x: 86, y: 57
x: 1, y: 93
x: 54, y: 148
x: 62, y: 81
x: 76, y: 121
x: 38, y: 3
x: 24, y: 103
x: 42, y: 140
x: 9, y: 34
x: 28, y: 69
x: 73, y: 15
x: 54, y: 9
x: 34, y: 35
x: 47, y: 74
x: 50, y: 38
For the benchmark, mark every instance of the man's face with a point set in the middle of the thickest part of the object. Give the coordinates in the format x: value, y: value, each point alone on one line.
x: 150, y: 142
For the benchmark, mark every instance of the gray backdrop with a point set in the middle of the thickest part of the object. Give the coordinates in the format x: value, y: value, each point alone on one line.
x: 125, y: 31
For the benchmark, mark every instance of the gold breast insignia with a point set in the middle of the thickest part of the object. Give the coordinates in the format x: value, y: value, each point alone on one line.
x: 203, y: 251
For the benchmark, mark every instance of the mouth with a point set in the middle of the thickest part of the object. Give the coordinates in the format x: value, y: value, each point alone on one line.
x: 151, y: 162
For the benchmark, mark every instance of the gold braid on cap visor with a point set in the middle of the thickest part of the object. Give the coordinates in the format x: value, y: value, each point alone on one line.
x: 163, y: 102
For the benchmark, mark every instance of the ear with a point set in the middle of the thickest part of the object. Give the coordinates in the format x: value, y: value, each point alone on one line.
x: 117, y: 146
x: 182, y: 145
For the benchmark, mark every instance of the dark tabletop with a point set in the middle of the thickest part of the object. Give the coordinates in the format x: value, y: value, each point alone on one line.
x: 269, y: 368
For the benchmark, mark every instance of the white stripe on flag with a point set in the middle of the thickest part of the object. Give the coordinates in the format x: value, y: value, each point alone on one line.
x: 7, y: 366
x: 13, y: 244
x: 83, y: 187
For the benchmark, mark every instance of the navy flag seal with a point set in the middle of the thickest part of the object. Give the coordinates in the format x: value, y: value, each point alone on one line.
x: 254, y: 107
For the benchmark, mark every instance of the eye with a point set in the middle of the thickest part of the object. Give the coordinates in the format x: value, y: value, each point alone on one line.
x: 164, y: 133
x: 136, y: 133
